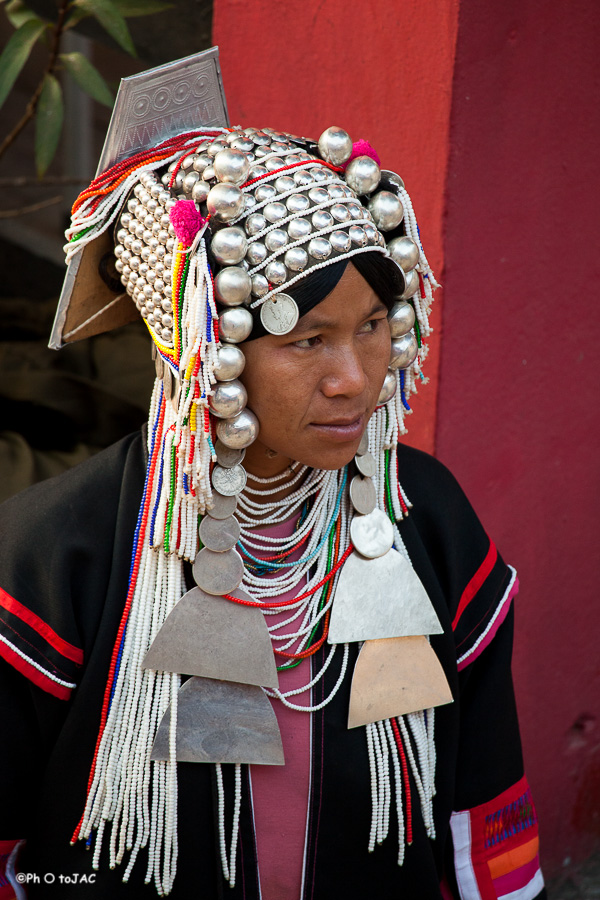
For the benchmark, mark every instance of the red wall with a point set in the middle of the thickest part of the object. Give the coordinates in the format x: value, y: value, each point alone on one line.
x: 381, y: 70
x: 518, y: 400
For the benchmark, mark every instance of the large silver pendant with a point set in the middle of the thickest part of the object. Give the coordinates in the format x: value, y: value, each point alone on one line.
x: 396, y: 676
x: 221, y: 722
x: 215, y: 638
x: 380, y: 598
x: 372, y: 535
x: 218, y: 573
x: 279, y: 314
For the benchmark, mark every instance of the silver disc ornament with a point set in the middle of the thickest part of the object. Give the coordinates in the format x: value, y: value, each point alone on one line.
x: 363, y: 447
x: 279, y: 314
x: 218, y: 573
x: 227, y: 456
x: 372, y: 535
x: 362, y: 495
x: 219, y: 534
x: 223, y: 506
x: 229, y: 481
x: 365, y: 463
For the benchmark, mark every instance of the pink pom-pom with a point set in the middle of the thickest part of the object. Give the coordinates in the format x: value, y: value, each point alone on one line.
x: 186, y: 220
x: 363, y: 148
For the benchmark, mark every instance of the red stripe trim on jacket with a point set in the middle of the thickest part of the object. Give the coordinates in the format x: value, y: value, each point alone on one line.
x: 34, y: 675
x: 51, y: 637
x: 476, y: 582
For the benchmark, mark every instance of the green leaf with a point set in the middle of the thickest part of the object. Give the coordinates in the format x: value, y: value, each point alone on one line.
x: 75, y: 18
x: 111, y: 20
x: 15, y: 55
x: 87, y: 77
x: 17, y: 14
x: 129, y: 9
x: 48, y: 123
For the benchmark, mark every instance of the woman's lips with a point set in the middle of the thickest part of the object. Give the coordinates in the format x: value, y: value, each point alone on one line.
x: 341, y: 429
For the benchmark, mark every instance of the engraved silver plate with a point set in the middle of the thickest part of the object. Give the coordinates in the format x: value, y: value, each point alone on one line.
x: 219, y: 535
x: 362, y: 494
x: 216, y: 638
x: 222, y: 506
x: 380, y: 598
x: 372, y: 535
x: 365, y: 463
x: 224, y: 722
x: 279, y: 314
x: 229, y: 481
x: 227, y: 456
x: 218, y: 573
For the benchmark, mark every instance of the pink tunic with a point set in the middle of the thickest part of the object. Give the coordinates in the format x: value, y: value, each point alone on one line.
x: 280, y: 793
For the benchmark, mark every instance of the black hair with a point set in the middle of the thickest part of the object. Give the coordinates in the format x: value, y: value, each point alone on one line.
x: 381, y: 274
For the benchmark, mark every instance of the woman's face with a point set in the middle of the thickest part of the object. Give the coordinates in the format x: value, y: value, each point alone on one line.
x: 315, y: 388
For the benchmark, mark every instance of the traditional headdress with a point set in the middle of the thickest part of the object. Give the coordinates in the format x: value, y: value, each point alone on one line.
x: 212, y: 229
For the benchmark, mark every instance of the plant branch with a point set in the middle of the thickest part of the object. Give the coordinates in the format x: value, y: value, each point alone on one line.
x: 33, y: 207
x: 51, y: 65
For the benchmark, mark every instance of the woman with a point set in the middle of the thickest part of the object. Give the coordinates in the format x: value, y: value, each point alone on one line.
x: 328, y: 711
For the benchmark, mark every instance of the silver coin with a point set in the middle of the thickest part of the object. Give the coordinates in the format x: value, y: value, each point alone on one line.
x: 228, y: 457
x: 372, y: 535
x: 223, y: 506
x: 229, y: 481
x: 218, y: 573
x: 362, y: 495
x: 365, y: 464
x: 220, y: 535
x: 279, y: 314
x: 364, y: 445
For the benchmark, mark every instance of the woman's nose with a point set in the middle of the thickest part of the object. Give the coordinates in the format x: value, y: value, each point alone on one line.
x: 345, y: 375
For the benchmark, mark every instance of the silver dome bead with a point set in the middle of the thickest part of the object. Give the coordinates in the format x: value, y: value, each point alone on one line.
x: 404, y: 251
x: 260, y: 285
x: 358, y: 236
x: 126, y: 219
x: 319, y: 248
x: 321, y: 219
x: 401, y: 318
x: 284, y: 183
x: 255, y: 223
x: 235, y: 325
x: 336, y: 191
x: 256, y: 254
x: 297, y: 203
x: 231, y: 166
x: 243, y: 144
x: 201, y: 162
x: 200, y: 191
x: 262, y: 151
x: 274, y: 163
x: 216, y: 147
x: 302, y: 177
x: 298, y: 229
x: 296, y: 259
x: 225, y: 202
x: 386, y: 209
x: 238, y: 432
x: 229, y: 246
x: 228, y: 400
x: 260, y: 138
x: 392, y: 178
x: 249, y: 202
x: 340, y: 212
x: 362, y: 175
x: 276, y: 239
x: 388, y: 389
x: 335, y: 145
x: 292, y: 158
x: 264, y: 192
x: 189, y: 181
x: 371, y: 233
x: 230, y: 362
x: 119, y: 250
x: 412, y: 284
x: 166, y: 305
x: 340, y: 241
x: 404, y: 350
x: 119, y: 266
x: 257, y: 171
x: 167, y: 321
x: 319, y: 173
x: 276, y: 272
x: 134, y: 263
x: 232, y: 286
x: 318, y: 195
x: 159, y: 284
x: 209, y: 174
x: 274, y: 211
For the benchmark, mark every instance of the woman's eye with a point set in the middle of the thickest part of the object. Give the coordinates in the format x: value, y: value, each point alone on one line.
x: 305, y: 343
x: 369, y: 326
